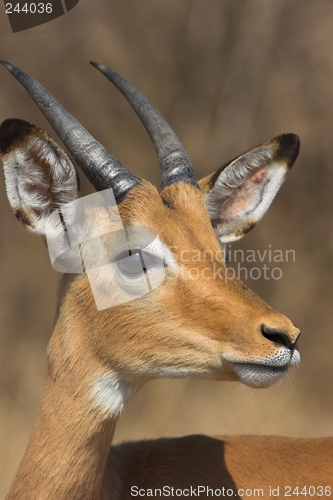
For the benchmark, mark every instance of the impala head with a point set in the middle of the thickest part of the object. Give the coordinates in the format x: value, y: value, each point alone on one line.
x: 193, y: 324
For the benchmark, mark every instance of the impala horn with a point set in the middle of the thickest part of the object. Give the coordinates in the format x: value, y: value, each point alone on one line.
x: 174, y: 161
x: 102, y: 169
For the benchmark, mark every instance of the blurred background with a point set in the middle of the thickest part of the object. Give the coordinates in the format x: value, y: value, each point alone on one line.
x: 227, y: 75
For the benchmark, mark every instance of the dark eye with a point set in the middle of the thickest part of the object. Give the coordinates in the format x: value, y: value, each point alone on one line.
x: 137, y: 263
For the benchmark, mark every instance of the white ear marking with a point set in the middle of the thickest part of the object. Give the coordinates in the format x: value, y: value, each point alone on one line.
x: 244, y: 189
x: 235, y: 216
x: 38, y: 174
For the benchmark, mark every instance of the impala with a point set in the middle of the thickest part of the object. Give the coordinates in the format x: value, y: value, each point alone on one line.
x: 100, y: 355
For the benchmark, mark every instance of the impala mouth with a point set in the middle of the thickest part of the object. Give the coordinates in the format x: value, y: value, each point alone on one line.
x: 255, y: 375
x: 265, y: 372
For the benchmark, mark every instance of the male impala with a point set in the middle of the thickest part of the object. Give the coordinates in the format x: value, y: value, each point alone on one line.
x: 209, y: 328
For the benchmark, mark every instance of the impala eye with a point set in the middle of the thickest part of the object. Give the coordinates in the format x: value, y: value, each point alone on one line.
x: 137, y: 263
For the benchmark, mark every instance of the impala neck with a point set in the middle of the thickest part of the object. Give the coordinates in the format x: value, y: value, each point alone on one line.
x: 68, y: 449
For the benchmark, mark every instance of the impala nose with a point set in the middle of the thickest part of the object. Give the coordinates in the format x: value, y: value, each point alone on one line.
x: 279, y: 337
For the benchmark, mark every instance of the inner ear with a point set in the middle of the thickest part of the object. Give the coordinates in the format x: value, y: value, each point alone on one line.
x: 240, y: 192
x: 241, y: 187
x: 39, y: 176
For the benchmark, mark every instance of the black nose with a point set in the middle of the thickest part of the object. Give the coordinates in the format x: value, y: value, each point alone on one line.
x: 278, y: 337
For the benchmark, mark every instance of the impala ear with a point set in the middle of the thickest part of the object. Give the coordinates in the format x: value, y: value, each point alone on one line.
x: 239, y: 193
x: 39, y: 176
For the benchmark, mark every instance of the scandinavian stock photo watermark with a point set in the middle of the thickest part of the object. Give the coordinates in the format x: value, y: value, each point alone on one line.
x: 124, y: 263
x: 229, y: 263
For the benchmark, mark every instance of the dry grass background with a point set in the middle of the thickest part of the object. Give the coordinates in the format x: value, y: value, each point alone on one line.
x: 227, y: 74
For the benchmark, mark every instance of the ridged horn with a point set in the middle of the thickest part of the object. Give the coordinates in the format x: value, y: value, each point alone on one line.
x: 174, y: 161
x: 102, y: 169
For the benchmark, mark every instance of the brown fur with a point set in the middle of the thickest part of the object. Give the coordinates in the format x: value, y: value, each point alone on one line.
x: 236, y: 463
x: 196, y: 322
x: 186, y: 327
x: 24, y: 216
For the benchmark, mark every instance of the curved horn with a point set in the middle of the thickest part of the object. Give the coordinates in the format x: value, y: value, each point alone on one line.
x: 101, y: 168
x: 174, y: 161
